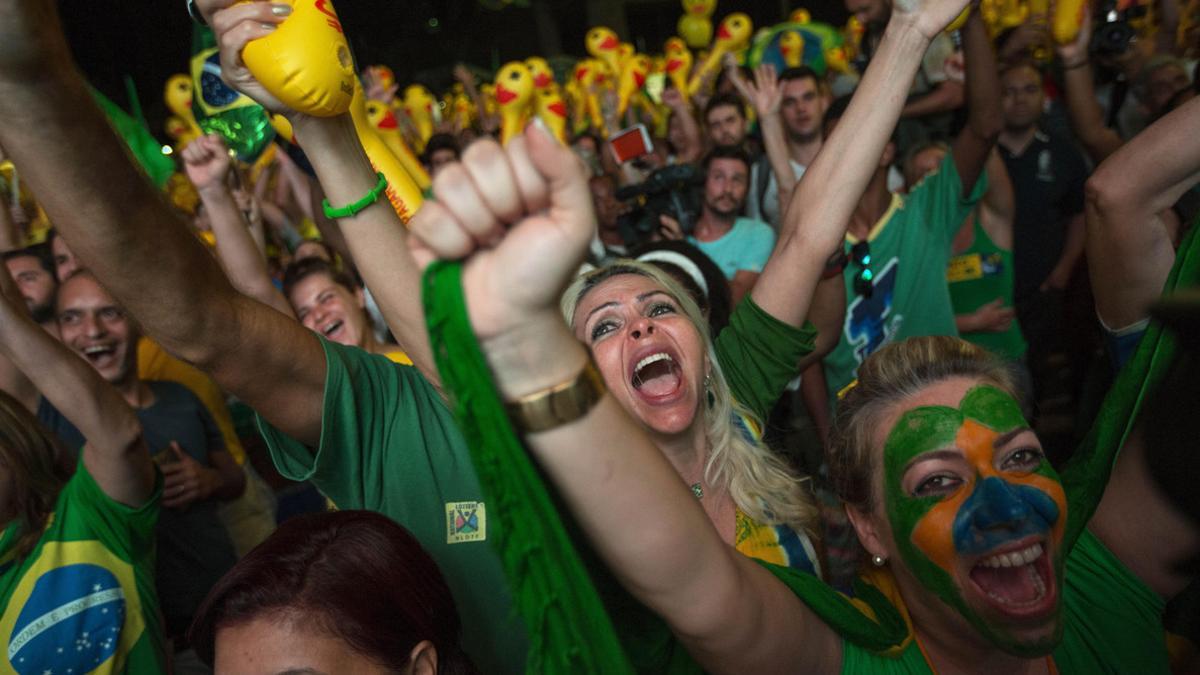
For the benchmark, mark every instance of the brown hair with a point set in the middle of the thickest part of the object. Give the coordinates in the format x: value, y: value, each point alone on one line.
x: 30, y: 457
x: 896, y: 372
x: 355, y: 575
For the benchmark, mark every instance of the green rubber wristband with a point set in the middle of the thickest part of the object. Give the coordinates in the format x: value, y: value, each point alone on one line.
x: 350, y: 210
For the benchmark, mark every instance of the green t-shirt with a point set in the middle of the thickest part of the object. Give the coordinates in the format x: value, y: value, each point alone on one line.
x: 979, y: 275
x: 1112, y: 623
x: 83, y: 600
x: 909, y: 248
x: 389, y: 444
x: 759, y: 354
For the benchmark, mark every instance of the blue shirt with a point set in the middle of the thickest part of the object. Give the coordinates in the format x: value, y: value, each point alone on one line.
x: 746, y: 246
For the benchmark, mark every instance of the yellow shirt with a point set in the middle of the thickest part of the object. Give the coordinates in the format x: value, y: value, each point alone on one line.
x: 154, y: 363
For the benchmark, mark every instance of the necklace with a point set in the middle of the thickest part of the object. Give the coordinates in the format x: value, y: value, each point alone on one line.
x: 698, y: 490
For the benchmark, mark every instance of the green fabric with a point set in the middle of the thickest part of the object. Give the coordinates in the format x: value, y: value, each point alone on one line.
x: 1086, y: 474
x: 909, y: 250
x: 1112, y: 623
x: 390, y: 444
x: 94, y: 569
x: 568, y: 627
x: 977, y: 276
x: 145, y: 148
x: 759, y: 353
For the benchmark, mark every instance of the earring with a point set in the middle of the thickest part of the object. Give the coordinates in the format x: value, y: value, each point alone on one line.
x: 708, y: 384
x: 878, y: 560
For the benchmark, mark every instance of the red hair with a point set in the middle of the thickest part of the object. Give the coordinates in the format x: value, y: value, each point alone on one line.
x: 356, y: 575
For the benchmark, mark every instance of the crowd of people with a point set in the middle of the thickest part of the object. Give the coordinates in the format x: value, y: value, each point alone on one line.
x: 860, y: 365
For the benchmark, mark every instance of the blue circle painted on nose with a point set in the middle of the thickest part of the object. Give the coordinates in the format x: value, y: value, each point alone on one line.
x: 71, y: 620
x: 998, y: 512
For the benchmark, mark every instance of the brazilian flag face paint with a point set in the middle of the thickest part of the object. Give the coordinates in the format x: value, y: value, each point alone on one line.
x: 980, y: 520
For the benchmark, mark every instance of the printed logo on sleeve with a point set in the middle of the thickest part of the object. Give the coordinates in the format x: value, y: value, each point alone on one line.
x: 465, y: 521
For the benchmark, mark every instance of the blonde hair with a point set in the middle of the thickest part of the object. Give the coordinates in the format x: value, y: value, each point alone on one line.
x: 760, y: 483
x: 896, y: 372
x: 30, y: 458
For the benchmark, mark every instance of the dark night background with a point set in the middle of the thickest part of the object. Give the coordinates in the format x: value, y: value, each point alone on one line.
x: 421, y: 40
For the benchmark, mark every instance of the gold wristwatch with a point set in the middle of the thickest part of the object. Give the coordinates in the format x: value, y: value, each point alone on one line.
x: 560, y: 404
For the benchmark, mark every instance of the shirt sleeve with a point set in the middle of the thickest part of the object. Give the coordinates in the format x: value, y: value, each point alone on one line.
x: 758, y: 355
x: 376, y: 416
x: 938, y: 200
x: 126, y: 529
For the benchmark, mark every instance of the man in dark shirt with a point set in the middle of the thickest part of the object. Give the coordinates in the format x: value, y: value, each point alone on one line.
x: 194, y: 549
x: 1047, y: 174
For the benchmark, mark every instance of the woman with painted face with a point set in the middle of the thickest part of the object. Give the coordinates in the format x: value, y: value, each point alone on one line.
x: 981, y: 560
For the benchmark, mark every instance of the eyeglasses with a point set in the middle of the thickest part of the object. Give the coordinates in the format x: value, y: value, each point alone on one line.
x: 863, y: 281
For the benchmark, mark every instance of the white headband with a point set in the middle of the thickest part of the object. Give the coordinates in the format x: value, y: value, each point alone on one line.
x: 679, y: 260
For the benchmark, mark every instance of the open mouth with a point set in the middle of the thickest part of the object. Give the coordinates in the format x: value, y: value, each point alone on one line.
x: 657, y: 376
x: 1016, y: 582
x: 99, y: 355
x: 331, y: 329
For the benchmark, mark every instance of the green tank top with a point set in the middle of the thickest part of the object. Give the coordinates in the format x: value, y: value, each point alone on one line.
x: 978, y: 276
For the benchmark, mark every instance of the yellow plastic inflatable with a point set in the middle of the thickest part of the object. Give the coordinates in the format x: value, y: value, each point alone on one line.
x: 602, y: 43
x: 695, y: 26
x: 181, y: 127
x: 1068, y: 17
x: 633, y: 78
x: 791, y: 48
x: 732, y: 36
x: 542, y: 75
x: 800, y: 16
x: 306, y: 62
x: 418, y: 105
x: 514, y: 97
x: 384, y: 123
x: 402, y: 192
x: 552, y: 110
x: 679, y: 62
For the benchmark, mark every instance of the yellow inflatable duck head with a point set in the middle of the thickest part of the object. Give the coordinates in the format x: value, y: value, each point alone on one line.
x: 418, y: 105
x: 542, y: 75
x: 178, y: 95
x: 380, y: 115
x: 552, y: 110
x: 791, y: 48
x: 602, y: 43
x: 633, y: 78
x: 836, y: 60
x: 800, y: 16
x: 695, y: 26
x: 679, y: 62
x: 734, y: 32
x: 514, y: 96
x: 488, y: 91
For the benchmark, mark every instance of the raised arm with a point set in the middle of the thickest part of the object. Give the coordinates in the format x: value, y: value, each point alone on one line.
x: 766, y: 96
x: 814, y: 223
x: 984, y: 120
x: 1082, y: 107
x: 207, y: 163
x: 119, y: 226
x: 377, y: 239
x: 115, y: 454
x: 1128, y: 248
x: 693, y: 143
x: 730, y: 613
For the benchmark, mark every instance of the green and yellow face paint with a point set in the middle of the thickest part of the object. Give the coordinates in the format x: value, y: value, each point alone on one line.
x: 986, y: 538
